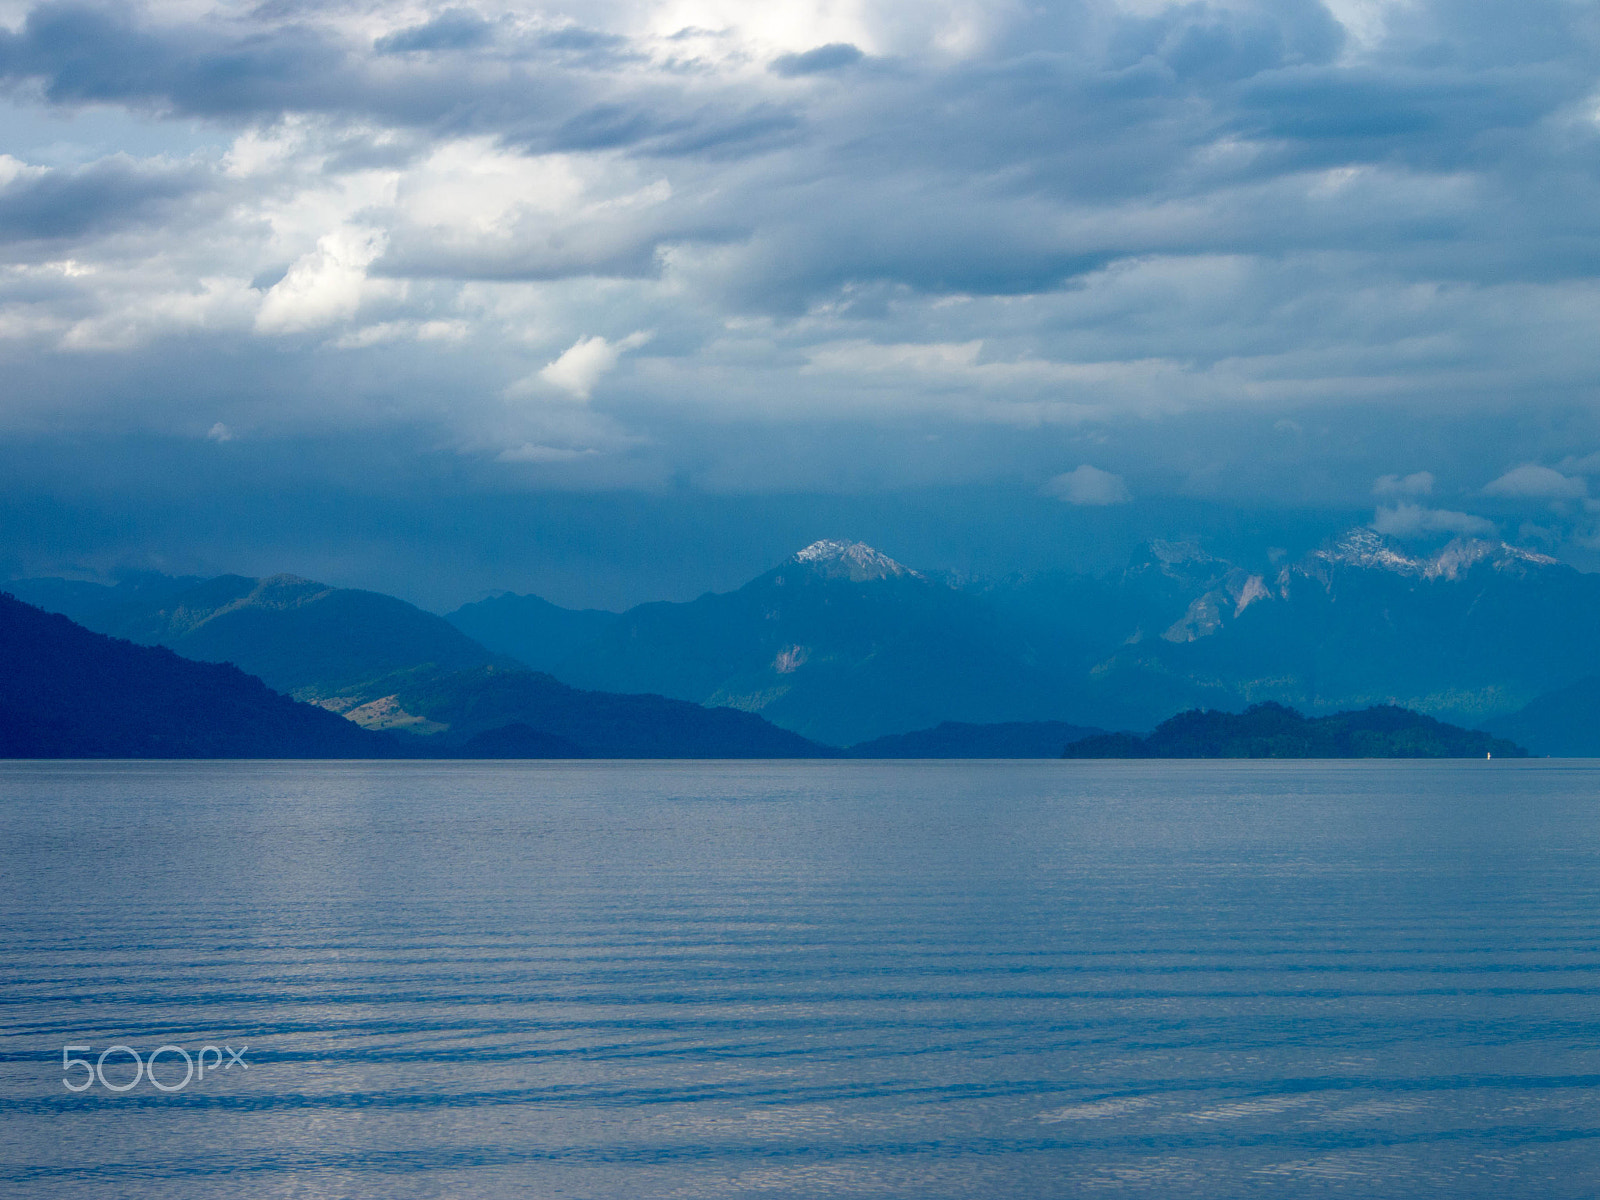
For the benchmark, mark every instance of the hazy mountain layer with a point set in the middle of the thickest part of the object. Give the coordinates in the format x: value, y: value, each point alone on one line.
x: 97, y: 605
x: 1564, y: 723
x: 841, y: 644
x: 535, y: 632
x: 953, y: 739
x: 844, y: 645
x: 390, y: 667
x: 67, y: 692
x: 1475, y: 630
x: 308, y: 639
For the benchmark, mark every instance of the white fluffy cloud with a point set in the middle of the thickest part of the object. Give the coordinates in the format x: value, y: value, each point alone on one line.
x: 1533, y: 482
x: 324, y: 286
x: 1088, y: 485
x: 583, y: 364
x: 1419, y: 483
x: 1411, y: 520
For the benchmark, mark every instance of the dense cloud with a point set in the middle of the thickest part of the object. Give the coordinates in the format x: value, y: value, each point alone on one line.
x: 1088, y: 485
x: 58, y: 207
x: 1221, y: 249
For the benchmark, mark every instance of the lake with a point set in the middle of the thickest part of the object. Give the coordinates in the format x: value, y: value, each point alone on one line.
x: 857, y: 979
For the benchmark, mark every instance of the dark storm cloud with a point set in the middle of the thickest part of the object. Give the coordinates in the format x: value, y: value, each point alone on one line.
x: 77, y: 54
x: 111, y: 194
x: 856, y: 253
x: 831, y: 57
x: 606, y: 127
x: 1135, y: 110
x: 453, y: 29
x: 997, y: 175
x: 729, y: 134
x: 1200, y: 43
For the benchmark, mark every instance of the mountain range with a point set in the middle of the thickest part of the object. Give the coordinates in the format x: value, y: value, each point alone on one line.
x: 1474, y: 631
x: 846, y: 645
x: 842, y: 646
x: 69, y: 692
x: 387, y: 666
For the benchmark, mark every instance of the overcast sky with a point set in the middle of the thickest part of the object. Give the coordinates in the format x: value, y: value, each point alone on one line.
x: 617, y: 300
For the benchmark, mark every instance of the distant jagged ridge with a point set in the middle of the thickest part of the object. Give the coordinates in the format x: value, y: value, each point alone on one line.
x: 1469, y: 633
x: 842, y: 644
x: 1274, y: 731
x: 855, y: 561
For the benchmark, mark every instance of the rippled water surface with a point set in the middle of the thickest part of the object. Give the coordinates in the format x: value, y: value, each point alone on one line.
x: 803, y: 980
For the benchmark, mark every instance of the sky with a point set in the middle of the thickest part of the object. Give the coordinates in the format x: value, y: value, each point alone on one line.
x: 617, y: 301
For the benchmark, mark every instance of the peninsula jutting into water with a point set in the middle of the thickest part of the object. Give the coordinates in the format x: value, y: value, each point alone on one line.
x: 1274, y: 731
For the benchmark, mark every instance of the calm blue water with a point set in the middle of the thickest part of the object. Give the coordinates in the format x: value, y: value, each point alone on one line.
x: 851, y: 979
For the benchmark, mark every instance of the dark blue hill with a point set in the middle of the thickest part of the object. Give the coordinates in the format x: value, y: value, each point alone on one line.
x: 302, y: 637
x: 418, y: 684
x: 1273, y: 731
x: 67, y: 692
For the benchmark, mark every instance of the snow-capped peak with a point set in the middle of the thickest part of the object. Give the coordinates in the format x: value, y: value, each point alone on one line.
x: 1464, y: 553
x: 1367, y: 548
x: 854, y: 561
x: 1170, y: 554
